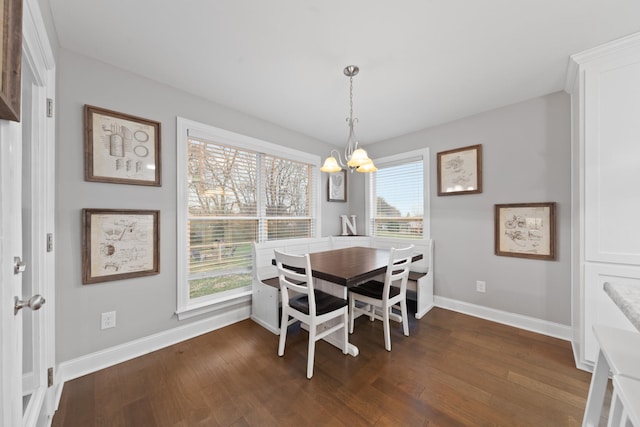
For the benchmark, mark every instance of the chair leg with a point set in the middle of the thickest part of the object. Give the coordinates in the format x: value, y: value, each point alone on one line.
x: 345, y: 342
x: 372, y: 310
x: 597, y: 389
x: 352, y: 305
x: 405, y: 321
x: 312, y: 350
x: 615, y: 412
x: 387, y: 330
x: 284, y: 323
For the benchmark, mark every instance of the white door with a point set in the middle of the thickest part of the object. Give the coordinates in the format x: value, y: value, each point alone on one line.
x: 26, y: 217
x: 11, y: 284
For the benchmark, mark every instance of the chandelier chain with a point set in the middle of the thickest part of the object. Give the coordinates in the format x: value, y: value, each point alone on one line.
x: 351, y: 99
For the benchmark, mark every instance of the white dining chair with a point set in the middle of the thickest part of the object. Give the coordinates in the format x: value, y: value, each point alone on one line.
x: 625, y: 402
x: 377, y: 299
x: 303, y: 303
x: 619, y: 354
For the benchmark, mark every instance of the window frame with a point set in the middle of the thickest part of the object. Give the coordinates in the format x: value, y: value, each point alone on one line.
x: 186, y: 128
x: 393, y: 160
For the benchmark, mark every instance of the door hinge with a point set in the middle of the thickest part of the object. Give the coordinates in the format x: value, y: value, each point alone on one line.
x: 49, y: 242
x: 49, y: 377
x: 49, y: 107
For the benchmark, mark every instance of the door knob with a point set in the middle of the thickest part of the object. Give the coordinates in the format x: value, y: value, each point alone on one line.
x: 34, y: 303
x: 18, y: 265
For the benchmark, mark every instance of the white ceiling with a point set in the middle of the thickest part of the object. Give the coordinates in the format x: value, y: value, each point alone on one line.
x: 422, y: 62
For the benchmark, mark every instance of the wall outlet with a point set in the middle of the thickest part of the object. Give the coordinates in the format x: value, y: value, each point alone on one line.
x: 108, y: 320
x: 481, y: 286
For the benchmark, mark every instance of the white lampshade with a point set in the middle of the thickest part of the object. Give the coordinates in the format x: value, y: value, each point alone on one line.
x: 330, y: 165
x: 358, y: 158
x: 367, y: 166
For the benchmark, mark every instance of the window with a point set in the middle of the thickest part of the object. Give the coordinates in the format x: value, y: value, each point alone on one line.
x: 232, y: 191
x: 397, y: 196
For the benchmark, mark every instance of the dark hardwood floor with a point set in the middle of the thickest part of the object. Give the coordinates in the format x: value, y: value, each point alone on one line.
x: 453, y: 370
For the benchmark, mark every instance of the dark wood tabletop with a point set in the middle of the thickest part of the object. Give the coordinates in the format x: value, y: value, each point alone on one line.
x: 350, y: 266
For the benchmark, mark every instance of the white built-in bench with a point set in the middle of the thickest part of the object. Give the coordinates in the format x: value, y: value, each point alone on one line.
x: 265, y: 306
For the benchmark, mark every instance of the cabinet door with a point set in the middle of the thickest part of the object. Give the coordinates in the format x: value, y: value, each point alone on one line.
x: 599, y: 308
x: 612, y: 150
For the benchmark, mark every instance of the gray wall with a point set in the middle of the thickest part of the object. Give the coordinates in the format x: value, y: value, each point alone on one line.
x: 144, y: 305
x: 526, y: 158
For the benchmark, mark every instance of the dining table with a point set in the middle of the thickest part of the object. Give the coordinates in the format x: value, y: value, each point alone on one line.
x: 337, y: 270
x: 350, y: 266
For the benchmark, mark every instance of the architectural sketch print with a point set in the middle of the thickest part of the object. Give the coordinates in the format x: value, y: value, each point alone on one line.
x: 119, y: 244
x: 460, y: 171
x: 525, y: 230
x: 120, y: 148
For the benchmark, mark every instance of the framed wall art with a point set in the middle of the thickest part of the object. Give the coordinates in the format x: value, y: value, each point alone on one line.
x: 460, y: 171
x: 10, y: 59
x: 119, y: 244
x: 120, y: 148
x: 526, y: 230
x: 337, y: 191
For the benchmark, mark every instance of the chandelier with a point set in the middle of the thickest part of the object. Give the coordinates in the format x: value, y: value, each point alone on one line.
x: 356, y: 158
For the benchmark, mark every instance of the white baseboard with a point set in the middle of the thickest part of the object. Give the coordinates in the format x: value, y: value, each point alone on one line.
x: 265, y: 325
x: 93, y: 362
x: 532, y: 324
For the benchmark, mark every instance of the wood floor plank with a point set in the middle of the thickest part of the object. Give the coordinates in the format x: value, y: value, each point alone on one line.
x: 452, y: 370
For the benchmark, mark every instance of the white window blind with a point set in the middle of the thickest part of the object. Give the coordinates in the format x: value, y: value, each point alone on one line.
x: 398, y: 200
x: 236, y: 196
x: 287, y: 201
x: 222, y: 216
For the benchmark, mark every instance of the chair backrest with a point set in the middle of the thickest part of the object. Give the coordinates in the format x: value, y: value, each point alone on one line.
x: 294, y: 273
x: 398, y: 269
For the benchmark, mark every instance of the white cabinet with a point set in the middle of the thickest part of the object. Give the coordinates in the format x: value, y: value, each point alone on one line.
x: 604, y: 83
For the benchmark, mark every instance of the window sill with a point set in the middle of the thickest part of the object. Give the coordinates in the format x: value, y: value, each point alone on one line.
x: 210, y: 305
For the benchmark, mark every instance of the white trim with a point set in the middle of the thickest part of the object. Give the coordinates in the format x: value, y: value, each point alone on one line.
x: 613, y: 48
x: 214, y: 304
x: 532, y: 324
x: 222, y: 136
x: 93, y: 362
x: 585, y: 366
x: 38, y: 58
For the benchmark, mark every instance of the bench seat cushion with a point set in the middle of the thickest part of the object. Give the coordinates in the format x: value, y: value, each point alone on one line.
x: 414, y: 275
x: 273, y: 281
x: 373, y: 289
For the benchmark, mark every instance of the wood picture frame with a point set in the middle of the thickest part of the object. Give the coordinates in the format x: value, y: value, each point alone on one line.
x: 11, y: 59
x: 120, y: 148
x: 526, y: 230
x: 460, y: 171
x: 337, y: 186
x: 119, y: 244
